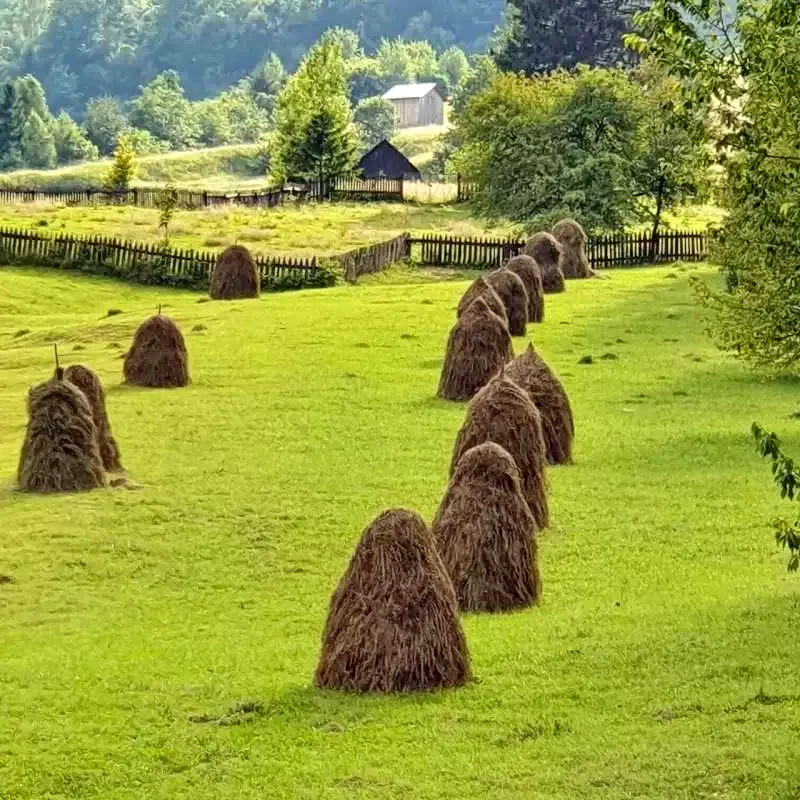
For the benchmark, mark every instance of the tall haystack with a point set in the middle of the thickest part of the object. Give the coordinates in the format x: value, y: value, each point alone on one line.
x: 235, y: 275
x: 60, y: 452
x: 503, y: 413
x: 486, y: 534
x: 545, y: 250
x: 531, y: 276
x: 158, y: 356
x: 89, y: 383
x: 532, y: 373
x: 571, y: 237
x: 478, y: 348
x: 511, y: 291
x: 479, y: 288
x: 393, y: 622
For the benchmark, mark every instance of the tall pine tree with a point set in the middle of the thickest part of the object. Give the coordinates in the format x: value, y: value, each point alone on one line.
x: 543, y: 35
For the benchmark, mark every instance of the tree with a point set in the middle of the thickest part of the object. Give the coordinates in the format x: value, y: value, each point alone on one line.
x: 483, y: 71
x: 10, y: 130
x: 105, y: 122
x: 315, y: 133
x: 37, y: 145
x: 162, y: 109
x: 746, y: 63
x: 167, y: 203
x: 543, y: 35
x: 454, y: 65
x: 267, y: 81
x: 376, y: 120
x: 123, y: 167
x: 71, y: 141
x: 549, y: 147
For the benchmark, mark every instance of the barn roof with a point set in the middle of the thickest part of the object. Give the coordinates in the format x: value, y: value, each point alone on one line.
x: 409, y: 91
x: 386, y: 156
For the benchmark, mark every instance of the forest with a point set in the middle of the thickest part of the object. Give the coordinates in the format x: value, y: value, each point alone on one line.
x: 79, y: 49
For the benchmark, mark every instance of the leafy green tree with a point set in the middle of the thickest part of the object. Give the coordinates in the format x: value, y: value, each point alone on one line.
x: 347, y: 40
x: 167, y: 203
x: 143, y: 143
x: 162, y: 109
x: 746, y: 63
x: 214, y: 126
x: 453, y: 63
x: 543, y: 35
x: 105, y: 121
x: 10, y: 130
x: 315, y: 136
x: 71, y: 142
x: 37, y: 143
x: 267, y: 81
x: 376, y: 120
x: 123, y: 168
x: 483, y: 71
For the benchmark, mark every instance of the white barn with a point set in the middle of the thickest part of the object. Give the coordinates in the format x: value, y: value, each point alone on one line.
x: 416, y: 104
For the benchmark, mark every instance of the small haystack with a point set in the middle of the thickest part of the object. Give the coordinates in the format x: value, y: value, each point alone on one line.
x: 479, y: 288
x: 545, y: 250
x: 531, y: 276
x: 235, y: 275
x: 60, y: 452
x: 533, y: 374
x: 571, y: 237
x: 478, y: 348
x: 503, y: 413
x: 158, y: 356
x: 486, y: 534
x: 393, y: 622
x: 89, y: 383
x: 511, y: 291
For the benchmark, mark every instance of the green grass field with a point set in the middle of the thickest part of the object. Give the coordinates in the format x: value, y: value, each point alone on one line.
x: 305, y: 230
x: 160, y: 643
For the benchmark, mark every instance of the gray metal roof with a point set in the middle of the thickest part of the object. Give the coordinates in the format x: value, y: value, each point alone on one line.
x: 409, y: 91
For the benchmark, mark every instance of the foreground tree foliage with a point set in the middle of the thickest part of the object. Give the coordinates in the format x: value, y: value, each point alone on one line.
x: 748, y: 66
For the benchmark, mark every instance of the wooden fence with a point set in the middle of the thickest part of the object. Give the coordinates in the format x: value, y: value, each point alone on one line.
x: 374, y: 258
x: 618, y: 250
x: 142, y: 263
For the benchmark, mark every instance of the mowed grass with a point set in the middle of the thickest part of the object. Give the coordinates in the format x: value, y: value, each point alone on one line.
x: 319, y: 229
x: 160, y: 643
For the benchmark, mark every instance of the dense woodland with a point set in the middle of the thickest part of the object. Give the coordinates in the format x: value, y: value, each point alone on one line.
x: 79, y: 49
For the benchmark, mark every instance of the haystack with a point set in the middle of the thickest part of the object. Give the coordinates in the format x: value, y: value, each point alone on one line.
x: 503, y: 413
x: 158, y: 356
x: 531, y: 276
x: 545, y: 250
x: 478, y: 348
x: 479, y: 288
x: 393, y: 622
x: 60, y: 452
x: 235, y: 275
x: 571, y: 237
x: 89, y: 383
x: 532, y: 373
x: 486, y: 534
x: 511, y: 291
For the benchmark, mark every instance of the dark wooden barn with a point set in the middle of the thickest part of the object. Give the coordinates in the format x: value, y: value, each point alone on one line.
x: 386, y: 161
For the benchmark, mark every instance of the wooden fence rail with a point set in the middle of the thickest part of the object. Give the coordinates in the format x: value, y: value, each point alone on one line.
x: 374, y: 258
x: 603, y: 252
x: 143, y: 263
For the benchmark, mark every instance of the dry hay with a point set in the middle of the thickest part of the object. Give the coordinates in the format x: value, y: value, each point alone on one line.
x: 158, y: 356
x: 486, y: 534
x: 574, y: 262
x: 531, y: 276
x: 393, y: 622
x: 546, y: 251
x: 480, y: 288
x: 511, y: 291
x: 478, y: 348
x: 532, y: 373
x: 89, y: 383
x: 235, y: 275
x: 60, y: 452
x: 503, y: 413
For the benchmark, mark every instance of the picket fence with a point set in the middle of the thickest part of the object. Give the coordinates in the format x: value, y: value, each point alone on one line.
x: 603, y: 252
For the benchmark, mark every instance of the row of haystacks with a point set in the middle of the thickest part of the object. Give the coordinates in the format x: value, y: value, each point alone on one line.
x: 393, y: 623
x: 68, y: 442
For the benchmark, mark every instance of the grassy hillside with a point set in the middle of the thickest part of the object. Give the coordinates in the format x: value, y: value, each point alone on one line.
x: 220, y: 168
x: 160, y: 643
x: 315, y: 229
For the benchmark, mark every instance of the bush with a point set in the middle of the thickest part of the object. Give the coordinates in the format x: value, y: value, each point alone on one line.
x: 376, y: 120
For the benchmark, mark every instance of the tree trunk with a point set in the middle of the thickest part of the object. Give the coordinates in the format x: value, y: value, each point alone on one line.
x: 657, y: 220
